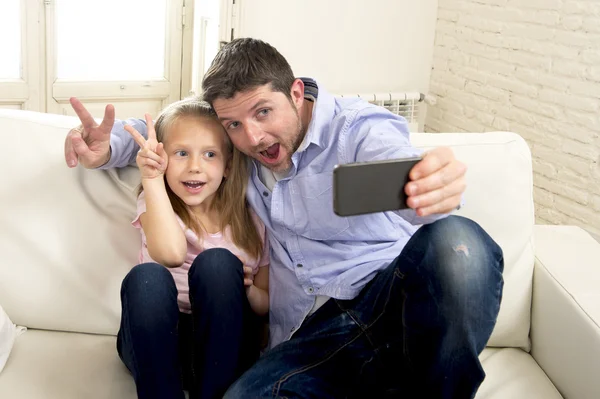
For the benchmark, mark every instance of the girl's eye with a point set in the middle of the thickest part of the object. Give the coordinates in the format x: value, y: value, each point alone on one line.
x: 210, y: 154
x: 181, y: 153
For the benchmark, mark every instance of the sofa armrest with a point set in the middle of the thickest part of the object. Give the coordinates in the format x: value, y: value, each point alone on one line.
x: 565, y: 321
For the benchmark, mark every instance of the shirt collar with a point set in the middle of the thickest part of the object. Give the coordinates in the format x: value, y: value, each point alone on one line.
x: 322, y: 114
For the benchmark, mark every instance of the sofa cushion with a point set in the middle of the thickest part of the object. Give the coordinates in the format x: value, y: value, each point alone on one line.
x: 70, y: 365
x: 513, y: 373
x: 48, y: 365
x: 499, y: 197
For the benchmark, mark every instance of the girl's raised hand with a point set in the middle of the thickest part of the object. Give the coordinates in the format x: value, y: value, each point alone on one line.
x: 152, y: 158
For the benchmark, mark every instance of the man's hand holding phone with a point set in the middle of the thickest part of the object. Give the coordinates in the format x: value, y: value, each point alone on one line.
x: 436, y: 183
x: 431, y: 184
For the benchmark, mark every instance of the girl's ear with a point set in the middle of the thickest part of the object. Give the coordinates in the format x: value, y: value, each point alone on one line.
x: 227, y: 167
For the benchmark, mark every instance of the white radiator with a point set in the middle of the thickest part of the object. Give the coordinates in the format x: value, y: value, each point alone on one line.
x: 407, y: 105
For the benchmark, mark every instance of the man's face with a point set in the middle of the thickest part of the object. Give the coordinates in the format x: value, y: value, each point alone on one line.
x: 264, y: 124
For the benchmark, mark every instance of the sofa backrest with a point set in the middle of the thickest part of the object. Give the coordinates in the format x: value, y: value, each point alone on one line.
x: 66, y: 239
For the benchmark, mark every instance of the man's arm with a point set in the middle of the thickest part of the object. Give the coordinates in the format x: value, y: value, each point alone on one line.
x: 437, y: 182
x: 123, y: 148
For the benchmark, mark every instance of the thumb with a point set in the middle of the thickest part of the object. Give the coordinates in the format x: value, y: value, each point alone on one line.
x: 79, y: 146
x: 160, y: 151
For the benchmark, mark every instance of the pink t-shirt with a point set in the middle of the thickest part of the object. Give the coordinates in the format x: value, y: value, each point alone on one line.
x: 195, y: 246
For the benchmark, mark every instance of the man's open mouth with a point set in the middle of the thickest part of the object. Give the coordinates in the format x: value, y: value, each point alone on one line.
x: 272, y: 152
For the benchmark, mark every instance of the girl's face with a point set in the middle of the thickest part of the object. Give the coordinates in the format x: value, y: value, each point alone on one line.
x: 198, y: 160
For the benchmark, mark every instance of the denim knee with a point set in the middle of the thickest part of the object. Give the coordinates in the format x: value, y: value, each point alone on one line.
x: 215, y: 265
x: 148, y: 286
x: 461, y: 259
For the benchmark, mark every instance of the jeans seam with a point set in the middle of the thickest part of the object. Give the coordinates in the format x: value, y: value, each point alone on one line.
x: 277, y: 385
x: 193, y: 355
x: 128, y: 333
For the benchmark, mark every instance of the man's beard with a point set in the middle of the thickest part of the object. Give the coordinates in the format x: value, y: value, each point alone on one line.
x: 293, y: 146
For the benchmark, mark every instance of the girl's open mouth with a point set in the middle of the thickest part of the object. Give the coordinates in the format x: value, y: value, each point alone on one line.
x: 194, y: 186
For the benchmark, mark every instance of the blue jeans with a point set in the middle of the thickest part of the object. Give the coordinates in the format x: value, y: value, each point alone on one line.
x: 168, y: 351
x: 415, y: 331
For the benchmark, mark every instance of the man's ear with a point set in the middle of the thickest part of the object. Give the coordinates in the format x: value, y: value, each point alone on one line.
x: 297, y: 93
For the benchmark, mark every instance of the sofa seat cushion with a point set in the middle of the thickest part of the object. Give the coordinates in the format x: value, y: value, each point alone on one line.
x: 513, y: 373
x: 48, y: 365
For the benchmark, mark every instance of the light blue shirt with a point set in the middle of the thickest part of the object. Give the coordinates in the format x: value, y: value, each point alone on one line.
x: 314, y: 251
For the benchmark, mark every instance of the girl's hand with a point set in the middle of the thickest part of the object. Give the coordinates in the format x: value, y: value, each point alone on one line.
x: 152, y: 158
x: 248, y: 278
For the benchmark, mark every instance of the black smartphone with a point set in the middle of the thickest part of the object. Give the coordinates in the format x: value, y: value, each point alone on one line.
x: 367, y: 187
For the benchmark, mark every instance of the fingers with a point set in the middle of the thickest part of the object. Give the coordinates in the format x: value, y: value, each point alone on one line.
x: 438, y: 182
x: 150, y: 158
x: 248, y: 276
x: 440, y: 178
x: 139, y: 139
x: 438, y: 196
x: 82, y: 113
x: 79, y: 146
x: 432, y: 161
x: 70, y: 155
x: 446, y: 206
x: 150, y: 126
x: 160, y: 150
x: 109, y: 119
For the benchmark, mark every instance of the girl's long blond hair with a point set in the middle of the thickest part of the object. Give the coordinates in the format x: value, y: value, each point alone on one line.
x: 230, y: 199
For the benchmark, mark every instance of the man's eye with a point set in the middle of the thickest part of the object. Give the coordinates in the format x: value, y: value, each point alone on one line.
x: 263, y: 112
x: 233, y: 125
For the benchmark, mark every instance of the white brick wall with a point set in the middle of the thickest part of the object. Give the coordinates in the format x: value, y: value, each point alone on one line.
x: 531, y: 67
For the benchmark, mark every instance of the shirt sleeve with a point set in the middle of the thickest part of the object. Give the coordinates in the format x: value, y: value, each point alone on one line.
x: 122, y: 146
x: 265, y: 258
x: 141, y: 208
x: 377, y: 134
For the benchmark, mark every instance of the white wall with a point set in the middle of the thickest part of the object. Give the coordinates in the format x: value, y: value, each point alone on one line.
x: 531, y: 67
x: 350, y: 46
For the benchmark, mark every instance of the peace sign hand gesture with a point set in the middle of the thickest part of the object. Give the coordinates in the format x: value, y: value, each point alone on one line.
x: 152, y: 158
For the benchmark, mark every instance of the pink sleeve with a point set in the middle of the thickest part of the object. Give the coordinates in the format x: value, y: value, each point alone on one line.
x: 262, y: 232
x: 141, y: 208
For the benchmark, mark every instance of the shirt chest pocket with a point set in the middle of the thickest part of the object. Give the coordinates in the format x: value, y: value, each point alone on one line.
x: 312, y: 208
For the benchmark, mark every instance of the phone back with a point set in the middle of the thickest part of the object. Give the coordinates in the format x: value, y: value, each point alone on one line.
x: 368, y: 187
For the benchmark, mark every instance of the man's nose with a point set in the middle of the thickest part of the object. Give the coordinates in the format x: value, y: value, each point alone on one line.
x: 254, y: 134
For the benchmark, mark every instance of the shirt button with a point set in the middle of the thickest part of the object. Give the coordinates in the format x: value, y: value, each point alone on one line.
x: 299, y: 265
x: 311, y: 290
x: 265, y: 193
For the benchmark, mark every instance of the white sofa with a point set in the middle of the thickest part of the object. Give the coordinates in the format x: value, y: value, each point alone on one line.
x: 66, y: 244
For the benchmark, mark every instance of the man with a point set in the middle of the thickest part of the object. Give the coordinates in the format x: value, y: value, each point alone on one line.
x: 361, y: 306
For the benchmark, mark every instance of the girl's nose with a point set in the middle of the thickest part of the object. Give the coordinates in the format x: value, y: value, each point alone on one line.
x: 195, y: 164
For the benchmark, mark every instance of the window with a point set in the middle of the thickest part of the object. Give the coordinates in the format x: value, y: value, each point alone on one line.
x: 10, y: 45
x: 128, y: 44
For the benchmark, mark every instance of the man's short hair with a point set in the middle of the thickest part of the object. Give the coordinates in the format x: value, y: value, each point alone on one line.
x: 244, y: 64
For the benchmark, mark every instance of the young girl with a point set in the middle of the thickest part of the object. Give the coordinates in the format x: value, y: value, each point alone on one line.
x: 194, y: 324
